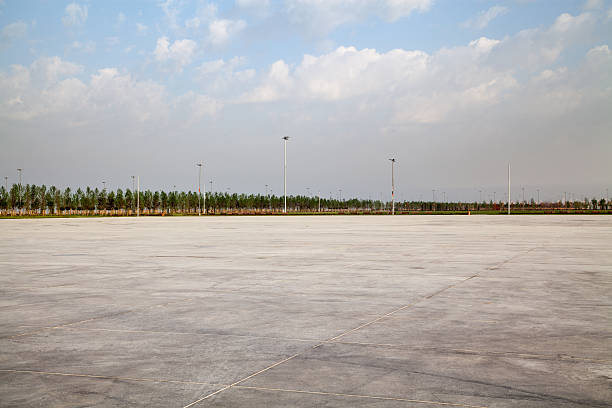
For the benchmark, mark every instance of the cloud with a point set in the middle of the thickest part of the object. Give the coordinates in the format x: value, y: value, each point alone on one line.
x: 88, y: 47
x: 253, y: 3
x: 48, y: 88
x: 178, y: 55
x: 322, y: 16
x: 485, y: 17
x: 74, y: 15
x: 593, y: 4
x: 12, y: 32
x: 171, y: 9
x: 225, y: 78
x: 418, y: 87
x: 120, y: 19
x: 221, y: 31
x: 142, y: 29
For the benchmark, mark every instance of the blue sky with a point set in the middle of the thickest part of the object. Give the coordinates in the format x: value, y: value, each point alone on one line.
x: 129, y: 85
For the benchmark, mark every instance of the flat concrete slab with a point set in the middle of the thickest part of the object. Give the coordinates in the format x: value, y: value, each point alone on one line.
x: 343, y: 311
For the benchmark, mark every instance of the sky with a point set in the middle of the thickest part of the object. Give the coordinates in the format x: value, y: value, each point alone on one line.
x: 94, y: 91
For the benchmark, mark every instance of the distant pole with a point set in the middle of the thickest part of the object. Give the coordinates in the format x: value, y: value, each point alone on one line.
x: 433, y: 196
x: 104, y: 185
x: 19, y: 189
x: 480, y: 192
x: 6, y: 183
x: 133, y: 188
x: 285, y: 138
x: 138, y: 198
x: 319, y: 195
x: 508, y: 188
x: 538, y: 190
x: 211, y: 189
x: 392, y: 160
x: 199, y: 191
x: 523, y: 188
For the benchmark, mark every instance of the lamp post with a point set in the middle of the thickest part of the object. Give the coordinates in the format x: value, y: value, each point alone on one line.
x: 508, y: 188
x: 199, y: 190
x: 19, y: 189
x: 138, y: 198
x: 392, y: 160
x: 285, y: 138
x: 538, y: 190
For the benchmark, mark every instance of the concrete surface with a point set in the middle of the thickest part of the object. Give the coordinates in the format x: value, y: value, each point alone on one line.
x: 370, y: 311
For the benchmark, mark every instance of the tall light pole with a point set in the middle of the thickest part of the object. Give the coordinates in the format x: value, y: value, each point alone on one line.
x: 133, y: 188
x: 138, y: 198
x: 104, y: 186
x: 508, y: 188
x: 392, y: 160
x: 523, y: 189
x: 199, y: 190
x: 211, y: 189
x: 480, y: 192
x: 319, y: 194
x: 19, y: 189
x: 6, y: 183
x: 538, y: 190
x: 285, y: 138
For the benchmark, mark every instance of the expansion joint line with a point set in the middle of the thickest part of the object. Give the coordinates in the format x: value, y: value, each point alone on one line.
x: 333, y: 339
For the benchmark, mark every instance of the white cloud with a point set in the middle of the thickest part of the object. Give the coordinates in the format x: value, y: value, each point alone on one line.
x: 593, y: 4
x: 566, y: 22
x: 13, y: 31
x: 222, y: 30
x: 172, y: 9
x: 485, y: 17
x: 179, y: 54
x: 74, y: 15
x: 322, y: 16
x: 120, y: 19
x: 48, y: 87
x: 142, y: 29
x: 89, y: 47
x: 225, y: 78
x: 253, y: 3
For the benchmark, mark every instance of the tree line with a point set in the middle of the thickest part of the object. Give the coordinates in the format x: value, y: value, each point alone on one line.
x: 41, y: 200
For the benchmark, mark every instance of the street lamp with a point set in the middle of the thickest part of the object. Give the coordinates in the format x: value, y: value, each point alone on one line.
x: 285, y: 138
x: 199, y: 190
x: 104, y: 186
x: 19, y: 189
x: 138, y: 197
x: 509, y: 188
x: 392, y: 160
